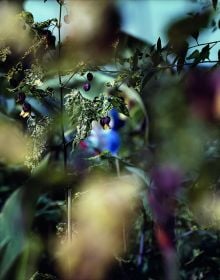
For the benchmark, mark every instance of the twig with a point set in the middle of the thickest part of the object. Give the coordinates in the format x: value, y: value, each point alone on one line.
x: 203, y: 44
x: 184, y: 64
x: 68, y: 80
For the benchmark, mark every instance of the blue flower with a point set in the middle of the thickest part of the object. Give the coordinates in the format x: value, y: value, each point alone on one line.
x: 101, y: 140
x: 117, y: 121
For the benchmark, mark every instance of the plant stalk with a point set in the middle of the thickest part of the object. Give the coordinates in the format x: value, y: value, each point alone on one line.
x: 117, y: 165
x: 69, y: 190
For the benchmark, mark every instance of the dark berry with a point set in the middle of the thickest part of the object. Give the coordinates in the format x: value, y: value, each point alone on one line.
x: 86, y: 86
x: 105, y: 121
x: 89, y: 76
x: 66, y: 19
x: 26, y: 107
x: 21, y: 97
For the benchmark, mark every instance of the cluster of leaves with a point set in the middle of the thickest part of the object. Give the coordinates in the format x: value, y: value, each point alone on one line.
x: 39, y: 137
x: 83, y: 111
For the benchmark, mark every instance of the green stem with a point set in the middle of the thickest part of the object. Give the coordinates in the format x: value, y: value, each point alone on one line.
x: 117, y: 165
x: 69, y: 190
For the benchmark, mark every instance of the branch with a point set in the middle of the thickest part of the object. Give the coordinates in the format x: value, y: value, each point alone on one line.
x: 203, y: 44
x: 61, y: 88
x: 184, y: 64
x: 69, y: 190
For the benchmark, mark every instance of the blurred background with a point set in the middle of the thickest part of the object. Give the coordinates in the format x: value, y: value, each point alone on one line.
x: 109, y: 140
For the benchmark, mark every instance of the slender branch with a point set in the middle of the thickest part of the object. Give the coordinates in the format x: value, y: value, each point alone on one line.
x: 184, y: 64
x: 168, y: 66
x: 61, y: 89
x: 213, y: 46
x: 203, y: 44
x: 69, y: 79
x: 69, y: 190
x: 117, y: 166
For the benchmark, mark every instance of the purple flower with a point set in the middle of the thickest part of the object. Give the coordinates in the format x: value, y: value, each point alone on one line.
x: 165, y: 184
x: 21, y: 97
x: 166, y: 179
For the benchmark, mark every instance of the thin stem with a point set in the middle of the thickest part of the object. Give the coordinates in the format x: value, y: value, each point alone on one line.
x: 203, y: 44
x: 61, y: 89
x: 123, y: 220
x: 69, y: 190
x: 68, y: 80
x: 184, y: 64
x: 117, y: 167
x: 167, y: 66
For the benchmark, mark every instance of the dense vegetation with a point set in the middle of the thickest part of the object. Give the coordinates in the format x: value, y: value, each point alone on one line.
x: 109, y: 147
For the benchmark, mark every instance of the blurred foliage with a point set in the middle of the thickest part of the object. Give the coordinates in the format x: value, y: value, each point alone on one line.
x: 48, y: 104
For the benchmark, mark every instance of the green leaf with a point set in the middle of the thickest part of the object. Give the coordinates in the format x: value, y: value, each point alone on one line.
x: 195, y: 35
x: 4, y: 53
x: 182, y: 56
x: 83, y: 111
x: 148, y: 77
x: 18, y: 212
x: 182, y: 29
x: 134, y: 62
x: 159, y: 47
x: 119, y: 104
x: 204, y: 54
x: 214, y: 4
x: 152, y: 48
x: 140, y: 174
x: 194, y: 54
x: 15, y: 221
x: 180, y: 64
x: 156, y: 58
x: 44, y: 24
x: 27, y: 17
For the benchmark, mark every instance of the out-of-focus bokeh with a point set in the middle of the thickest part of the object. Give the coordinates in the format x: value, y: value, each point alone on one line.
x: 109, y: 139
x: 99, y: 215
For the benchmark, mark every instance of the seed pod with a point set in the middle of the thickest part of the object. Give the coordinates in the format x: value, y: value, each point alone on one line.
x: 105, y: 121
x: 26, y: 110
x: 20, y: 97
x: 89, y: 76
x: 26, y: 107
x: 86, y: 86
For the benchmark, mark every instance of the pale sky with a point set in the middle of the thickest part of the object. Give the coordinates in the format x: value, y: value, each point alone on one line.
x: 144, y: 19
